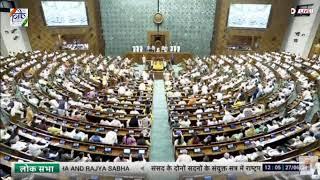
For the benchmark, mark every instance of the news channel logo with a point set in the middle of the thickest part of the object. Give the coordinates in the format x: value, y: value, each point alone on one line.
x: 19, y: 17
x: 309, y: 165
x: 301, y: 11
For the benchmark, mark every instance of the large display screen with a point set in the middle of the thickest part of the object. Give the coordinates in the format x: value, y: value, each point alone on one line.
x: 249, y: 15
x: 65, y: 13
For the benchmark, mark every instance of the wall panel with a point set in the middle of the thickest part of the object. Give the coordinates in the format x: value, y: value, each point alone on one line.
x: 315, y: 49
x: 43, y: 37
x: 126, y: 23
x: 271, y: 37
x: 190, y: 23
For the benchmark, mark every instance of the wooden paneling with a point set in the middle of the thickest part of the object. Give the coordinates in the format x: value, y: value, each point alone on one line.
x: 315, y: 49
x: 43, y: 37
x: 178, y: 57
x: 166, y: 34
x: 271, y: 37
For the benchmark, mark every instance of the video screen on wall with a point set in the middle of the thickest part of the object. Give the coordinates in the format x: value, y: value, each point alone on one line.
x: 249, y: 15
x: 65, y: 13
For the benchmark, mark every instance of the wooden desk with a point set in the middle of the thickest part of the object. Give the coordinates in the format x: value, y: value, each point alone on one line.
x: 55, y: 142
x: 269, y: 139
x: 157, y: 74
x: 178, y: 57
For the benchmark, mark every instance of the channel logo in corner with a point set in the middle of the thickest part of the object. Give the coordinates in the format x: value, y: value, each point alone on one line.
x: 302, y: 11
x: 19, y: 17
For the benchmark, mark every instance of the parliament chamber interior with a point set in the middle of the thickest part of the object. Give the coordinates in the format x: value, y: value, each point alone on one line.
x: 185, y: 81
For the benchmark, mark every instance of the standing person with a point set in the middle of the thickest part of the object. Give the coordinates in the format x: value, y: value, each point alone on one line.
x: 144, y: 59
x: 240, y: 99
x: 17, y: 109
x: 29, y: 115
x: 172, y: 59
x: 63, y: 105
x: 148, y: 107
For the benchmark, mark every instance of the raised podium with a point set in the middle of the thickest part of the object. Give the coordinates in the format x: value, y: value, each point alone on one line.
x: 157, y: 68
x: 157, y: 65
x: 177, y: 56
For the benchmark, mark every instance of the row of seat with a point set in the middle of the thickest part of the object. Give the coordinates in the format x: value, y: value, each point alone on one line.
x: 49, y: 117
x: 261, y: 64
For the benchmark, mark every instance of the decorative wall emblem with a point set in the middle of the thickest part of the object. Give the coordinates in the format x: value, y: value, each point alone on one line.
x: 158, y: 18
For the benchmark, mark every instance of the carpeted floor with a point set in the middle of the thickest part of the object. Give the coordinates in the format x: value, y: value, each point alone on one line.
x: 162, y: 147
x: 177, y: 68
